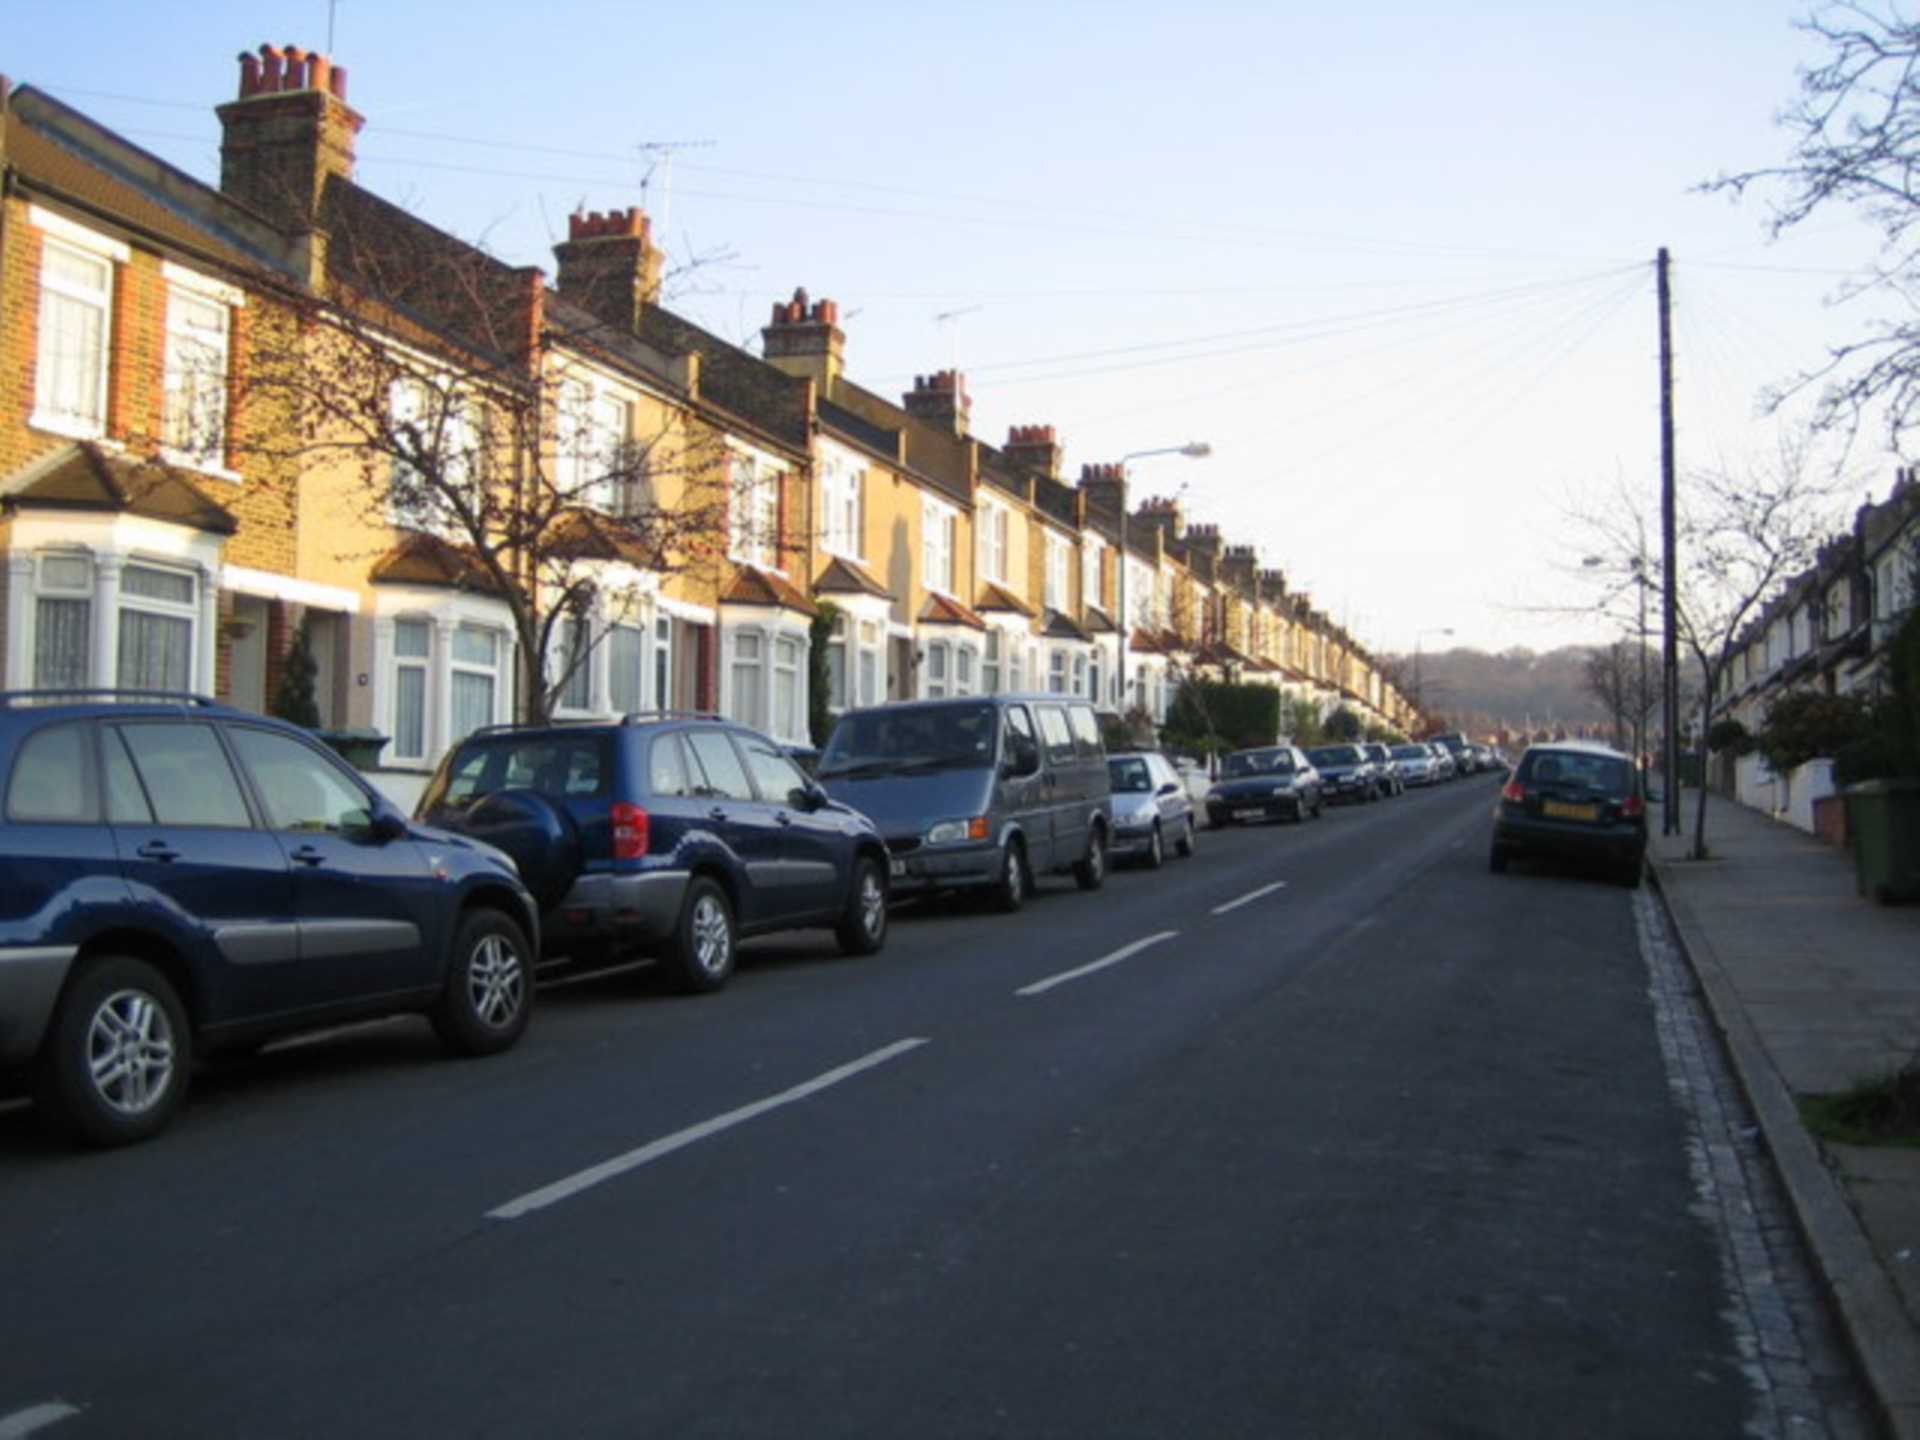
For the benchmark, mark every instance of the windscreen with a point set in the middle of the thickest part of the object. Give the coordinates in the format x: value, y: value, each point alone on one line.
x: 911, y: 737
x: 1335, y: 755
x: 1259, y: 762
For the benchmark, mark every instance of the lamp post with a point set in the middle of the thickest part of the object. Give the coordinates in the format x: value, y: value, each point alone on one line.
x: 1193, y: 450
x: 1419, y: 698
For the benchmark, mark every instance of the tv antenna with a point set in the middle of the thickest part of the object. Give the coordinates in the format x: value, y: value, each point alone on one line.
x: 952, y: 318
x: 660, y: 155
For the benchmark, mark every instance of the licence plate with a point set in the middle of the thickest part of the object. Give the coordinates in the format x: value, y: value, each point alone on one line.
x: 1247, y: 814
x: 1560, y: 810
x: 898, y: 868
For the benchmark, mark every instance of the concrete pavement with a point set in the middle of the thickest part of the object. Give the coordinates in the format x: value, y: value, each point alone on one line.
x: 1814, y: 989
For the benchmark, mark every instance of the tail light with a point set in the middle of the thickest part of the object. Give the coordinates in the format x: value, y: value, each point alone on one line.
x: 629, y: 832
x: 1513, y: 792
x: 1633, y: 807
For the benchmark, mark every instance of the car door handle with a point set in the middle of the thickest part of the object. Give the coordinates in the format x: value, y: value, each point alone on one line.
x: 716, y: 813
x: 782, y: 817
x: 158, y: 850
x: 308, y: 855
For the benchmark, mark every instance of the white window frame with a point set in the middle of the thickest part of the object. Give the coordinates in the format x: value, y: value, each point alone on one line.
x: 1059, y: 574
x: 1092, y: 551
x: 85, y: 593
x: 187, y: 610
x: 992, y: 520
x: 939, y: 529
x: 423, y: 665
x: 753, y: 510
x: 187, y: 287
x: 786, y: 665
x: 593, y: 430
x: 495, y: 672
x: 842, y: 508
x: 62, y: 236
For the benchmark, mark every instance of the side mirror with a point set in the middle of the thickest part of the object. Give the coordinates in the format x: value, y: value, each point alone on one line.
x: 810, y: 797
x: 1172, y: 787
x: 377, y: 826
x: 1023, y: 758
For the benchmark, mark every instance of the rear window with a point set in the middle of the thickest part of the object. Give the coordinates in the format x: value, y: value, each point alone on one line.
x: 1259, y: 762
x: 1411, y: 752
x: 561, y: 767
x: 1602, y: 774
x: 1129, y: 776
x: 1335, y: 755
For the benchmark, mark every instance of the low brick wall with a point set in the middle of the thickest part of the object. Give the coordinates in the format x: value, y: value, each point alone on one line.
x: 1830, y: 820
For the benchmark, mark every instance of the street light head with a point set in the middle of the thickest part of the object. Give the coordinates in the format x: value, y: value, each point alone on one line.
x: 1196, y: 450
x: 1592, y: 562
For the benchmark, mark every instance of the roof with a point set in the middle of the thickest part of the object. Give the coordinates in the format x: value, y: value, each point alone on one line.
x: 84, y: 477
x: 1099, y: 622
x: 998, y: 597
x: 942, y: 610
x: 754, y: 586
x: 1058, y: 626
x: 422, y: 559
x: 843, y: 577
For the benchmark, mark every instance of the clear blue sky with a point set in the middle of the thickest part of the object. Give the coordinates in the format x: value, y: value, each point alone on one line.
x: 1393, y: 264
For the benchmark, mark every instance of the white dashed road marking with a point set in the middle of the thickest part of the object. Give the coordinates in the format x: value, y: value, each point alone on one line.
x: 1249, y: 897
x: 34, y: 1419
x: 1040, y: 987
x: 620, y: 1164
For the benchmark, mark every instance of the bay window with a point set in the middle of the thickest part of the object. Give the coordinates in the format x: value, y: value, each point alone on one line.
x: 63, y: 623
x: 475, y: 663
x: 158, y: 613
x: 626, y: 667
x: 786, y: 722
x: 748, y: 688
x: 938, y: 656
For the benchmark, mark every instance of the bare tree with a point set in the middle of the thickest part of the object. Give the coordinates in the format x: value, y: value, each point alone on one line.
x: 1856, y: 130
x: 444, y: 392
x: 1609, y: 677
x: 1741, y: 538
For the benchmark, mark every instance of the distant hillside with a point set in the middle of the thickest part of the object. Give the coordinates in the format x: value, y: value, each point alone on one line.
x: 1516, y: 690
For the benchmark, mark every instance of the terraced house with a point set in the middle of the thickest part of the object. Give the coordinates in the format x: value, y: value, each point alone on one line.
x: 282, y: 415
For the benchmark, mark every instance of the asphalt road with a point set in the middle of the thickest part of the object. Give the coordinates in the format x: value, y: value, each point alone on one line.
x: 1348, y: 1137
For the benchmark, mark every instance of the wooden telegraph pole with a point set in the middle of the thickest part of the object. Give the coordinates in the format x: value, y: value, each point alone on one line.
x: 1670, y: 637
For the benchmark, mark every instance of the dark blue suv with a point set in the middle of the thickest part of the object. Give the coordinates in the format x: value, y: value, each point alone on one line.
x: 668, y: 835
x: 181, y: 877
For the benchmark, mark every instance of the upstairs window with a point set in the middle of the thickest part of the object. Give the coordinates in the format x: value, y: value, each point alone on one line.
x: 992, y: 520
x: 195, y: 381
x: 840, y: 501
x: 754, y: 514
x: 938, y: 527
x: 76, y: 326
x: 1057, y: 573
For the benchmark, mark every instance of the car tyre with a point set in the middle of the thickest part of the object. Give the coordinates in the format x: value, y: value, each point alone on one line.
x: 1189, y: 841
x: 863, y: 929
x: 1156, y: 849
x: 113, y: 1068
x: 1090, y: 871
x: 700, y: 958
x: 489, y: 992
x: 1497, y: 860
x: 1010, y: 890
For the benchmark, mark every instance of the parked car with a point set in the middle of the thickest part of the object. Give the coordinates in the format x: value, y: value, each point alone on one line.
x: 1417, y: 765
x: 1346, y: 773
x: 983, y: 792
x: 1460, y: 748
x: 1444, y: 765
x: 1392, y: 781
x: 1266, y: 783
x: 671, y: 836
x: 1573, y: 801
x: 184, y: 878
x: 1150, y: 808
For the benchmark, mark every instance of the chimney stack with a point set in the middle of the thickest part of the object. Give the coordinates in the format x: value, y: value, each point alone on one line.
x: 610, y: 266
x: 941, y: 400
x: 290, y: 129
x: 1034, y: 447
x: 1162, y: 515
x: 805, y: 339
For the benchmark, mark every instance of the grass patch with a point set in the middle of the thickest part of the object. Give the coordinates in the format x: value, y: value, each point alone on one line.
x: 1885, y: 1111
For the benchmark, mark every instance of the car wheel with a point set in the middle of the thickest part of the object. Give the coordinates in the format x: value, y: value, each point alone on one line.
x: 700, y: 957
x: 1188, y: 841
x: 1010, y: 891
x: 863, y: 929
x: 1497, y: 860
x: 1090, y: 872
x: 489, y: 991
x: 114, y: 1065
x: 1156, y: 850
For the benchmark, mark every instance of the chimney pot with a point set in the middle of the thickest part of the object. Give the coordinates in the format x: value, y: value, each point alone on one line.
x: 249, y: 74
x: 269, y: 68
x: 337, y: 83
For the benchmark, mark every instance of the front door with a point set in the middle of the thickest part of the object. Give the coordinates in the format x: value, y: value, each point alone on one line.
x: 734, y: 813
x: 1059, y: 769
x: 1024, y: 798
x: 814, y: 870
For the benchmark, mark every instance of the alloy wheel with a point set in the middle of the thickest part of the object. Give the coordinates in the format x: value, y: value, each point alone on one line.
x: 130, y: 1051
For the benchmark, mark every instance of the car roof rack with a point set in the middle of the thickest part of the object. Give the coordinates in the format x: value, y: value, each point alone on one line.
x: 631, y: 717
x: 642, y: 717
x: 79, y: 694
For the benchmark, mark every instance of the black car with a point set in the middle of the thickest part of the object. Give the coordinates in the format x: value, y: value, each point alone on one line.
x: 1573, y: 801
x: 182, y: 877
x: 670, y: 836
x: 1347, y: 773
x: 1268, y: 782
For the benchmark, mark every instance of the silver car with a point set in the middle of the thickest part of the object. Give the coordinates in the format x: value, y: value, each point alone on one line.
x: 1417, y: 765
x: 1151, y: 809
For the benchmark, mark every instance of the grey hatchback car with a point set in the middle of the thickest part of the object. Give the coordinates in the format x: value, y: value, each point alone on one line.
x: 1151, y: 808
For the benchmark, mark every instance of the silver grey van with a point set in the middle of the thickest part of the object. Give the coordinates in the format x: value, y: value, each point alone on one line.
x: 980, y: 791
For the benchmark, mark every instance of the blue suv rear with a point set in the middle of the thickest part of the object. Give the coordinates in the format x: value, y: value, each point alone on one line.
x: 669, y: 835
x: 183, y: 877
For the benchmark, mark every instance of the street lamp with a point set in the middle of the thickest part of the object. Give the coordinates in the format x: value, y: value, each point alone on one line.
x: 1419, y: 698
x: 1193, y: 450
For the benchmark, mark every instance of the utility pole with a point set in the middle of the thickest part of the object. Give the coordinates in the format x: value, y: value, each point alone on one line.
x: 1669, y: 547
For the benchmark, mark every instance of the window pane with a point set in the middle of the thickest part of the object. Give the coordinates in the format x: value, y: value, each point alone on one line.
x: 187, y: 775
x: 726, y: 777
x: 50, y: 777
x: 168, y: 585
x: 577, y: 693
x: 410, y: 712
x: 776, y: 775
x: 300, y: 789
x: 667, y: 767
x: 474, y: 646
x: 70, y: 370
x: 62, y: 643
x: 412, y: 639
x: 66, y: 572
x: 624, y: 665
x: 1053, y: 729
x: 126, y: 801
x: 472, y: 703
x: 156, y: 651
